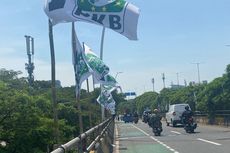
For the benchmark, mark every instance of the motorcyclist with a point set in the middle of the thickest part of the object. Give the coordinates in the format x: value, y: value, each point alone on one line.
x: 186, y: 115
x: 155, y: 119
x: 135, y: 114
x: 135, y: 117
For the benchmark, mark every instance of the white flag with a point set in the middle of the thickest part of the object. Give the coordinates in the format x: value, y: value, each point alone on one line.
x: 117, y: 15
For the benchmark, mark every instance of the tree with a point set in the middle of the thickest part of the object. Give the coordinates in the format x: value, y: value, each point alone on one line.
x: 146, y: 100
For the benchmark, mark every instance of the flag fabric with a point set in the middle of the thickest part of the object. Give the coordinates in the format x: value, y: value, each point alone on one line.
x: 117, y: 15
x: 106, y: 80
x: 99, y: 68
x: 106, y: 100
x: 104, y: 97
x: 81, y: 69
x: 110, y: 105
x: 111, y: 88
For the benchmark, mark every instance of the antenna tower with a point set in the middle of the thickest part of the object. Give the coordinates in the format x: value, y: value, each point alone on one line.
x: 163, y: 78
x: 30, y: 52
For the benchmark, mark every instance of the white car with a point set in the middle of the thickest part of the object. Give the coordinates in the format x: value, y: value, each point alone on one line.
x: 173, y: 116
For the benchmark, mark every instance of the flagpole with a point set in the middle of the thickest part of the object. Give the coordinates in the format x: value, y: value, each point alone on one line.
x: 53, y: 84
x: 101, y: 57
x: 77, y: 79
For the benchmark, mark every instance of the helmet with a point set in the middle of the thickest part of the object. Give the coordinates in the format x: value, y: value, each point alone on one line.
x: 155, y: 110
x: 186, y: 108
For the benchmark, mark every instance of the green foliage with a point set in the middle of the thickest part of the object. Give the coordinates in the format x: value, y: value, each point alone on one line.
x: 126, y: 107
x: 209, y: 98
x: 147, y: 100
x: 26, y: 115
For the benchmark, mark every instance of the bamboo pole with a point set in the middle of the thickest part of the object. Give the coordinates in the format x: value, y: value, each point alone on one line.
x: 74, y: 47
x: 101, y: 57
x: 53, y: 84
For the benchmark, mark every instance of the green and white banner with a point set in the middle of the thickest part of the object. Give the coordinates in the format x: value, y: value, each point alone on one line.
x: 81, y: 69
x: 96, y: 64
x: 111, y: 88
x: 106, y: 100
x: 106, y: 80
x: 117, y: 15
x: 110, y: 105
x: 104, y: 97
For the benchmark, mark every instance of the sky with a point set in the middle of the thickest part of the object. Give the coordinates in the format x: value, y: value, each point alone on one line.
x: 172, y: 35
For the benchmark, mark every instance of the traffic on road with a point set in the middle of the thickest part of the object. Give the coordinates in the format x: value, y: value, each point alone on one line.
x: 139, y: 138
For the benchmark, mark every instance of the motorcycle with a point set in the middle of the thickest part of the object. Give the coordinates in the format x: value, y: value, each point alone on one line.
x: 135, y: 120
x: 190, y: 125
x: 157, y: 128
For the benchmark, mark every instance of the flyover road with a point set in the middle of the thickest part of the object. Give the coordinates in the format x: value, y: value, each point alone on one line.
x: 138, y: 138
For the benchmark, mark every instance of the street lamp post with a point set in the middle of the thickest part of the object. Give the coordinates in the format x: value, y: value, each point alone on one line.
x: 153, y: 83
x: 177, y: 76
x: 117, y: 74
x: 198, y: 71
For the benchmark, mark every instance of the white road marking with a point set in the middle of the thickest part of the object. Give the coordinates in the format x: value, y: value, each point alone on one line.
x: 218, y: 144
x: 155, y: 139
x: 123, y: 138
x: 126, y: 138
x: 117, y: 141
x: 176, y: 132
x: 141, y: 130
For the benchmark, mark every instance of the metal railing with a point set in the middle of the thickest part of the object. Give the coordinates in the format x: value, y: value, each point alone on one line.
x: 102, y: 142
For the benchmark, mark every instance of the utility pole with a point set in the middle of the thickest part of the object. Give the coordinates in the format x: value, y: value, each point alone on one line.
x: 177, y: 75
x: 185, y: 83
x: 163, y: 78
x: 153, y: 83
x: 198, y: 71
x: 30, y: 65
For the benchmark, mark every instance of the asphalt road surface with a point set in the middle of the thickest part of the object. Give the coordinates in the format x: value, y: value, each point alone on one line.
x: 138, y: 138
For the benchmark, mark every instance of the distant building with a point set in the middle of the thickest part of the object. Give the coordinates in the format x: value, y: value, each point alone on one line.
x: 175, y: 86
x: 193, y: 83
x: 205, y: 82
x: 57, y: 83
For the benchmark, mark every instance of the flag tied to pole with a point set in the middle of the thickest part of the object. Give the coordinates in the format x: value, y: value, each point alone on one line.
x: 99, y: 68
x: 81, y: 68
x: 117, y: 15
x: 105, y: 99
x: 110, y: 105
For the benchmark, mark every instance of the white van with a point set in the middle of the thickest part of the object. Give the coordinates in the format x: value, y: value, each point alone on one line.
x: 173, y: 116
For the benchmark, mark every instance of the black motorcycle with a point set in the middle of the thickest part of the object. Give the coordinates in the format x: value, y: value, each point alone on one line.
x: 157, y: 128
x: 190, y: 125
x: 135, y: 120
